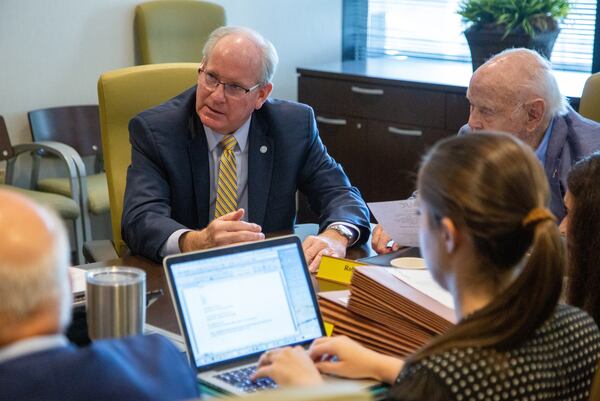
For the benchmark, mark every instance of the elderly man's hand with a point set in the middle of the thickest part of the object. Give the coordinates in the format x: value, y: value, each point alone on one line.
x: 381, y: 240
x: 329, y: 242
x: 288, y: 367
x: 225, y: 230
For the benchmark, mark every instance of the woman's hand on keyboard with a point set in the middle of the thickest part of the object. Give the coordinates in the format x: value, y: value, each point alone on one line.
x: 288, y: 367
x: 341, y: 356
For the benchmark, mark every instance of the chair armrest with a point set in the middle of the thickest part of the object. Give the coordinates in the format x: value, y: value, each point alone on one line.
x: 99, y: 251
x: 76, y: 171
x: 65, y: 153
x: 63, y: 150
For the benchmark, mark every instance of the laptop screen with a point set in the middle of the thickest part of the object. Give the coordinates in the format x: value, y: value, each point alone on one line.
x: 239, y: 301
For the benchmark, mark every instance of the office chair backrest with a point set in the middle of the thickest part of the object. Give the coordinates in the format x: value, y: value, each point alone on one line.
x: 6, y: 150
x: 122, y: 94
x: 170, y: 31
x: 589, y: 105
x: 77, y: 126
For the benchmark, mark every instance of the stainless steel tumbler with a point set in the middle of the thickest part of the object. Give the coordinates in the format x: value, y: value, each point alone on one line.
x: 115, y: 301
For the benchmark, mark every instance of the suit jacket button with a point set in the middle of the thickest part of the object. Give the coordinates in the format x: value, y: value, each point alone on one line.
x: 263, y: 149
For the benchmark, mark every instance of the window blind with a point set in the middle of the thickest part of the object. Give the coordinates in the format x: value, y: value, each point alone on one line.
x: 433, y: 29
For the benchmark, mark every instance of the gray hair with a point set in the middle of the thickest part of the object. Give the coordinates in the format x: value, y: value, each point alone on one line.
x: 24, y: 288
x: 540, y: 79
x: 269, y: 55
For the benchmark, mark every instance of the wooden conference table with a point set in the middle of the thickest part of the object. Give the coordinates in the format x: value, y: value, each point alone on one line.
x: 161, y: 313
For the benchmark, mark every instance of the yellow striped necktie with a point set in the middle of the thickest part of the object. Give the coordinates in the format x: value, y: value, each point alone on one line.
x: 227, y: 182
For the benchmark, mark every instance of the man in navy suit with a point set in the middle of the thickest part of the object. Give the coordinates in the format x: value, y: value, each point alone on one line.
x: 172, y: 199
x: 36, y: 360
x: 516, y: 92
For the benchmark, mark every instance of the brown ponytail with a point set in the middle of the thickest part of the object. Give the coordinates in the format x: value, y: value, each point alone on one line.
x: 493, y: 187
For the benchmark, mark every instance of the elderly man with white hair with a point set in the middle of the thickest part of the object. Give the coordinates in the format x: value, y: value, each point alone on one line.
x: 36, y: 360
x: 516, y: 92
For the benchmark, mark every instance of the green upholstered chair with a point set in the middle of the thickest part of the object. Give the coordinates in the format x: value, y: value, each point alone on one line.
x: 78, y: 127
x: 589, y: 105
x: 66, y: 206
x: 122, y: 94
x: 337, y: 392
x: 175, y: 30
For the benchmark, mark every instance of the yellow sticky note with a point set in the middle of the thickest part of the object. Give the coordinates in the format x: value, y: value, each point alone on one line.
x: 337, y: 269
x: 327, y: 285
x: 328, y: 328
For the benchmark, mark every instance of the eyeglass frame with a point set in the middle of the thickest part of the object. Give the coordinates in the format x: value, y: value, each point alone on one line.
x: 225, y: 85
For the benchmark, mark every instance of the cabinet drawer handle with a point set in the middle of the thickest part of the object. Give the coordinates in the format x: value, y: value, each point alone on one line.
x: 331, y: 121
x: 366, y: 91
x: 410, y: 132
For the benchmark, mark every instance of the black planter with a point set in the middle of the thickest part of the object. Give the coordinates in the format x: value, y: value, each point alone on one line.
x: 486, y: 41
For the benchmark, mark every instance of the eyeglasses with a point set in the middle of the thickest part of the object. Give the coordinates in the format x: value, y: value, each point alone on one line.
x: 210, y: 82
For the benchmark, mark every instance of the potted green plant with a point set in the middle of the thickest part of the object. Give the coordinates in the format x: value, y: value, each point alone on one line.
x: 496, y: 25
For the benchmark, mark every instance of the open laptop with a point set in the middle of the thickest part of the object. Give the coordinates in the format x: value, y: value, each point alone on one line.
x: 233, y: 303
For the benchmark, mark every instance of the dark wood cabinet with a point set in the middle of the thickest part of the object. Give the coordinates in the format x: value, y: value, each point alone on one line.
x: 343, y: 136
x: 395, y: 152
x: 378, y: 128
x: 372, y: 100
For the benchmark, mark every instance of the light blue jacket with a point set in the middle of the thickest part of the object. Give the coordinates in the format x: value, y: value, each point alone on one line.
x: 573, y: 137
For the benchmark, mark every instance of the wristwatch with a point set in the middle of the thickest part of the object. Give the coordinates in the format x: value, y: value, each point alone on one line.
x: 344, y: 231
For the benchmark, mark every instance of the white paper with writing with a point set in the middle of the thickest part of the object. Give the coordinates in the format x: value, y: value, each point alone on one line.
x: 399, y: 219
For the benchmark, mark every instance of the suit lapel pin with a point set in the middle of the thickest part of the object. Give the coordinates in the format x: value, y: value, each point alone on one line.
x: 263, y: 149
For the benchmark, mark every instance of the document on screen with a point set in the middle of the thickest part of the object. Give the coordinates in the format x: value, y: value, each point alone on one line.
x: 248, y: 316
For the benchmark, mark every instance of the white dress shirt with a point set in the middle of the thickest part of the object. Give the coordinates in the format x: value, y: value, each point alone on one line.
x: 32, y: 345
x: 241, y: 160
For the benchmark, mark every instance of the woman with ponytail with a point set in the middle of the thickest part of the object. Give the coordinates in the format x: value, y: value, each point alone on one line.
x: 488, y: 238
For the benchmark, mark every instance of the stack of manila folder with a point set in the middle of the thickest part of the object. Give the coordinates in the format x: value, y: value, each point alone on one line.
x: 392, y: 311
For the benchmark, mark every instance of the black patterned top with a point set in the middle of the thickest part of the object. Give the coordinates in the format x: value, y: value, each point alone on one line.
x: 557, y: 363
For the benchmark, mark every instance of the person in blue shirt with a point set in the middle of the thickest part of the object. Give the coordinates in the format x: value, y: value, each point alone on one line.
x: 36, y: 360
x: 516, y: 92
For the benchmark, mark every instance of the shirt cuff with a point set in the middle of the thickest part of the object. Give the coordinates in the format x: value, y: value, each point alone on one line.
x: 171, y: 245
x: 352, y: 227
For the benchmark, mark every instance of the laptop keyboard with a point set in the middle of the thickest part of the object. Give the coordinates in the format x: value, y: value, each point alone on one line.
x: 240, y: 378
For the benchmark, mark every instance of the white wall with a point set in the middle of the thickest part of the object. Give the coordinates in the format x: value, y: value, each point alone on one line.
x: 52, y: 51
